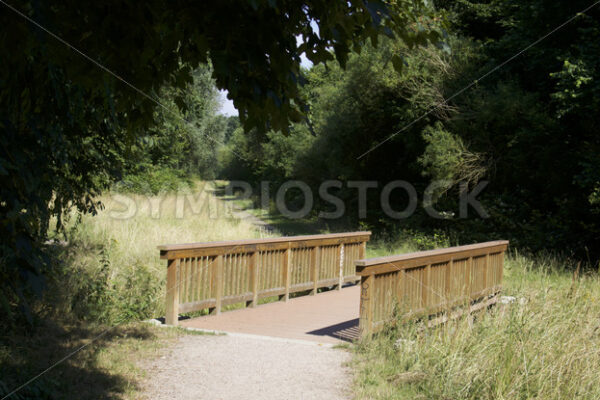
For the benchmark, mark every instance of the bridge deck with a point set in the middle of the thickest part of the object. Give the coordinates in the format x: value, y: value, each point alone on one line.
x: 329, y: 317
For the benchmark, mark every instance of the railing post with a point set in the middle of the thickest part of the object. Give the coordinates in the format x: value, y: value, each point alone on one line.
x: 362, y: 250
x: 253, y: 280
x: 172, y: 305
x: 469, y: 276
x: 448, y: 291
x: 486, y: 271
x: 286, y: 274
x: 365, y: 322
x: 340, y: 260
x: 426, y: 287
x: 314, y: 271
x: 217, y: 284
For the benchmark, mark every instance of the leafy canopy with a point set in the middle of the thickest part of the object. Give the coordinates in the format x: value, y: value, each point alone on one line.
x: 67, y: 124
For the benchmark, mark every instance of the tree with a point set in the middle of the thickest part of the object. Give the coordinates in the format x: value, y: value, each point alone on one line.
x: 536, y: 114
x: 66, y: 123
x: 183, y: 138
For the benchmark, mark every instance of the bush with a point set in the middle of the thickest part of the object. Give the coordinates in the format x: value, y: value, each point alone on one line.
x: 154, y: 180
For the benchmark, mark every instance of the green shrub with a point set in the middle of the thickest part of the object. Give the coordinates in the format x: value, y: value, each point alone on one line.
x: 154, y: 180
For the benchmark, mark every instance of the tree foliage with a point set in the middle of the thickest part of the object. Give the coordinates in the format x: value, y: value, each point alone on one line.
x: 182, y: 141
x: 67, y: 124
x: 529, y: 128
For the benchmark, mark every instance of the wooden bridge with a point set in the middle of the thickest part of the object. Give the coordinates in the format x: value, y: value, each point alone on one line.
x: 239, y: 275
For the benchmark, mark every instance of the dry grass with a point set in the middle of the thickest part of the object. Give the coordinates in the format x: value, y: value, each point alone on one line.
x: 110, y: 274
x: 119, y: 276
x: 546, y: 345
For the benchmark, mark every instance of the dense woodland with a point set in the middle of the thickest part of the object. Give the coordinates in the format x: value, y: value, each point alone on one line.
x: 527, y: 126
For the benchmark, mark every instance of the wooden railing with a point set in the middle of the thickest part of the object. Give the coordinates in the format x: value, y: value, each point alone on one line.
x: 214, y: 274
x: 427, y: 283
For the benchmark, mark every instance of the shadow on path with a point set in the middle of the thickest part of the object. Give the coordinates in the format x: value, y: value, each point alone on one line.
x: 347, y: 331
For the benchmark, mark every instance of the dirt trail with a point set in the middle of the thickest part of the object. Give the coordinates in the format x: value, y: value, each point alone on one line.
x: 227, y: 367
x: 253, y: 219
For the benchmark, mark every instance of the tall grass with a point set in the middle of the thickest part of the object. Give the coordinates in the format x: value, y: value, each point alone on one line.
x: 545, y: 345
x: 110, y: 269
x: 109, y: 272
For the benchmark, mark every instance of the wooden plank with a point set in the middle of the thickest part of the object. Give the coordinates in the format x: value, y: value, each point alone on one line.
x: 253, y: 266
x: 448, y: 288
x: 327, y: 282
x: 486, y: 270
x: 172, y: 309
x: 426, y: 287
x: 301, y: 287
x: 286, y: 274
x: 249, y: 248
x: 217, y: 284
x: 391, y: 265
x: 283, y: 239
x: 469, y: 276
x: 438, y: 255
x: 400, y: 289
x: 353, y: 279
x: 238, y: 298
x: 315, y: 259
x: 271, y: 292
x: 197, y: 305
x: 340, y: 263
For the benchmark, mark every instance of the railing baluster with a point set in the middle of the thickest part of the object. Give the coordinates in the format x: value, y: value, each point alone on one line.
x: 286, y: 275
x: 253, y: 267
x: 217, y: 284
x: 314, y: 262
x: 339, y: 260
x: 426, y: 287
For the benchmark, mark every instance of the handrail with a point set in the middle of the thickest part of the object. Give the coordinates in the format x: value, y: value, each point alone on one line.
x: 213, y: 274
x: 172, y: 251
x: 427, y: 282
x: 228, y: 243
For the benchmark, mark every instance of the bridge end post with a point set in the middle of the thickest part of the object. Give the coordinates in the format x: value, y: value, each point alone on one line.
x: 217, y: 282
x: 253, y: 280
x: 172, y: 301
x: 365, y: 322
x: 314, y: 270
x: 286, y: 278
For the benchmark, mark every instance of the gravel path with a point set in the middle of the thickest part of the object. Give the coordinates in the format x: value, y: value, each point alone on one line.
x: 233, y: 367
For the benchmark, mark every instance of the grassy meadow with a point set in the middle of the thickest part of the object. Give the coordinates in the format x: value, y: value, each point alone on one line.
x: 120, y: 276
x: 545, y: 345
x: 107, y: 278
